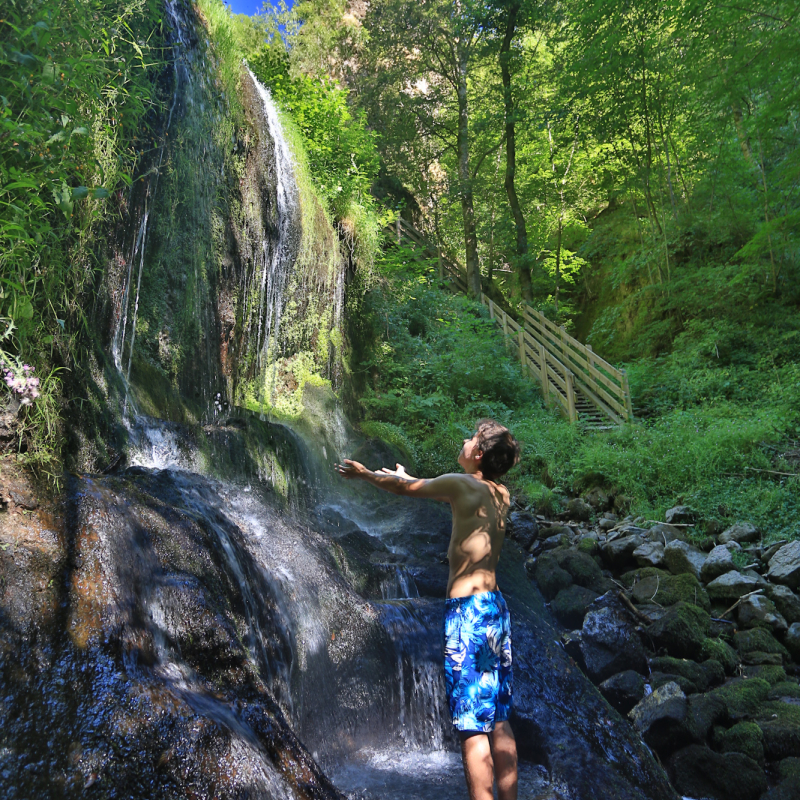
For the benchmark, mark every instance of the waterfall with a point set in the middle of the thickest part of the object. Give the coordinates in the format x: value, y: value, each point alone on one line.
x: 277, y: 257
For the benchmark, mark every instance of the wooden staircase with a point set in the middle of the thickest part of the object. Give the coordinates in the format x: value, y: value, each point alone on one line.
x: 586, y: 388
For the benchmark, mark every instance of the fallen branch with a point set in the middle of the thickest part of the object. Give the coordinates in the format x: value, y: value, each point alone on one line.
x: 638, y: 614
x: 743, y: 597
x: 773, y: 472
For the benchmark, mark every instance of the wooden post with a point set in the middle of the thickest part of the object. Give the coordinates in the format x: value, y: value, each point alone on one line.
x: 569, y: 380
x: 545, y: 379
x: 522, y: 360
x: 626, y: 391
x: 491, y: 309
x: 398, y: 231
x: 590, y: 356
x: 505, y: 329
x: 441, y: 265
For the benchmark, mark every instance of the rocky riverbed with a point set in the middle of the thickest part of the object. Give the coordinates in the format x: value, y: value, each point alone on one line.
x: 688, y: 627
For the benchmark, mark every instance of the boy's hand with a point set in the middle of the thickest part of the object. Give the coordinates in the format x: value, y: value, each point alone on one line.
x: 399, y: 471
x: 351, y: 469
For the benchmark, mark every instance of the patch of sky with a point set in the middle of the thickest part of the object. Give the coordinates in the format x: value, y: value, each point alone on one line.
x: 251, y: 7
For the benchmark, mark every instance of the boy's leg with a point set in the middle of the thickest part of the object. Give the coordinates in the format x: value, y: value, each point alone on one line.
x: 504, y: 756
x: 476, y: 753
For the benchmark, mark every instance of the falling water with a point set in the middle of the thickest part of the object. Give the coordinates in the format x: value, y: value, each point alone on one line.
x: 277, y: 258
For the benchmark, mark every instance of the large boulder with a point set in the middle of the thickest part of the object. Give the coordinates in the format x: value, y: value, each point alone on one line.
x: 732, y: 585
x: 623, y: 690
x: 550, y: 577
x: 682, y: 630
x: 681, y: 558
x: 680, y: 515
x: 739, y: 532
x: 758, y: 611
x: 780, y: 724
x: 571, y: 604
x: 703, y: 712
x: 718, y: 562
x: 650, y: 585
x: 610, y: 642
x: 582, y: 568
x: 784, y: 566
x: 786, y: 601
x: 742, y: 697
x: 744, y: 737
x: 698, y: 771
x: 598, y: 499
x: 758, y: 640
x: 659, y: 717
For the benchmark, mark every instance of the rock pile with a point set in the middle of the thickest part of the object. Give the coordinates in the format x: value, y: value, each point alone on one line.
x: 696, y: 638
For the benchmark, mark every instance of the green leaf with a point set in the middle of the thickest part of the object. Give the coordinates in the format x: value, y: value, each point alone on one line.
x: 100, y: 193
x: 79, y: 192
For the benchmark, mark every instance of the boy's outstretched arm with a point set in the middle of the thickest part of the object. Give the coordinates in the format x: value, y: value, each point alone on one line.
x: 445, y: 488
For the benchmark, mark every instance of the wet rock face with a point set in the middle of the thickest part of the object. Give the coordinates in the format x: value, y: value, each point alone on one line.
x: 610, y: 643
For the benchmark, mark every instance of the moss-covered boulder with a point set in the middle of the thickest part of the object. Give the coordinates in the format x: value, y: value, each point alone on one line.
x: 659, y: 679
x: 681, y: 667
x: 713, y: 671
x: 744, y: 737
x: 784, y: 689
x: 780, y: 724
x: 682, y: 630
x: 550, y: 577
x: 758, y: 640
x: 698, y: 771
x: 623, y: 690
x: 772, y: 674
x: 571, y: 604
x: 581, y: 567
x: 789, y: 787
x: 722, y: 652
x: 588, y: 546
x: 743, y: 697
x: 703, y: 713
x: 649, y: 584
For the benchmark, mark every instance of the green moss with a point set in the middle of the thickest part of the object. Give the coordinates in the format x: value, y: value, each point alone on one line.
x: 651, y: 583
x: 780, y: 724
x: 758, y: 640
x: 722, y: 652
x: 784, y: 689
x: 682, y: 630
x: 582, y: 568
x: 681, y: 667
x: 744, y: 737
x: 588, y: 546
x: 743, y: 697
x: 770, y: 673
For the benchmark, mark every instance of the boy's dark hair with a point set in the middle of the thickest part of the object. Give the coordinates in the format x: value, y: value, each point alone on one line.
x: 500, y: 449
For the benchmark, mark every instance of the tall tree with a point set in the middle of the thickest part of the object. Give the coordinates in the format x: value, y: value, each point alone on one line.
x: 422, y: 55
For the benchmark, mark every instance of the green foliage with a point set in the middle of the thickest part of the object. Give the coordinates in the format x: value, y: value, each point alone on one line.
x: 341, y: 150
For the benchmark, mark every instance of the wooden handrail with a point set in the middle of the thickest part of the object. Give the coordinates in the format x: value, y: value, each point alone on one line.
x: 564, y: 367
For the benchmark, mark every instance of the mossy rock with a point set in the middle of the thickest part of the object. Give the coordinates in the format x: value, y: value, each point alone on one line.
x: 743, y: 697
x: 588, y: 546
x: 682, y: 630
x: 571, y: 604
x: 789, y: 768
x: 758, y: 640
x: 653, y: 584
x: 582, y: 567
x: 713, y: 671
x: 682, y: 667
x: 772, y: 674
x: 698, y: 771
x: 659, y: 679
x: 744, y: 737
x: 703, y: 713
x: 784, y: 689
x: 722, y: 652
x: 550, y: 577
x: 780, y: 724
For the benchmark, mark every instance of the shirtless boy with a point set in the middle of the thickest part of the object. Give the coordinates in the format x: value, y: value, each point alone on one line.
x: 477, y: 627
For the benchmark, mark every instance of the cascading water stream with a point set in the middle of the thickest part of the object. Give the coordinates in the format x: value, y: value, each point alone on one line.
x: 277, y: 257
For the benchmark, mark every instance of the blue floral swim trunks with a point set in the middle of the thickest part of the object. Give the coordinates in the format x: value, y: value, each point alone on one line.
x: 477, y: 660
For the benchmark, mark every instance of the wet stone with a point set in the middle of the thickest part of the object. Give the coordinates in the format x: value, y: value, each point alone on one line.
x: 756, y: 611
x: 784, y: 566
x: 682, y: 630
x: 571, y: 604
x: 610, y: 643
x: 623, y: 690
x: 681, y: 558
x: 660, y: 715
x: 731, y: 586
x: 680, y: 515
x: 718, y: 562
x: 739, y: 532
x: 649, y: 554
x: 698, y: 771
x: 786, y: 602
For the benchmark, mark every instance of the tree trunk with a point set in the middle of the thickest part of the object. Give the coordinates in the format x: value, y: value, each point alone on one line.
x: 523, y: 266
x: 467, y: 205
